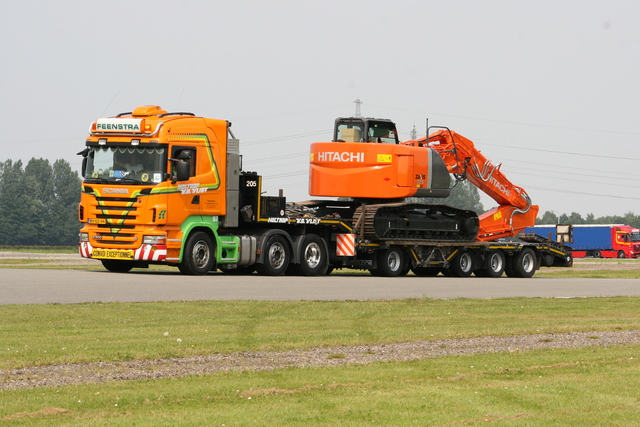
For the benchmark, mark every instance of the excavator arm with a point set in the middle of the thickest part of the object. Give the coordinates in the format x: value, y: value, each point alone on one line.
x: 514, y: 213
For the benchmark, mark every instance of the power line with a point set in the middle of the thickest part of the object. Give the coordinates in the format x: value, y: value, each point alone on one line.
x: 574, y: 180
x: 556, y: 190
x: 600, y: 156
x: 289, y: 114
x: 563, y: 167
x: 285, y: 137
x: 509, y: 122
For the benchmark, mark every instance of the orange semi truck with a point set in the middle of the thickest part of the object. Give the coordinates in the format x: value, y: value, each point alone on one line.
x: 169, y: 188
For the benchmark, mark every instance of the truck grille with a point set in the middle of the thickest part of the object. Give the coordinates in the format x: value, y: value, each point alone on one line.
x: 120, y: 218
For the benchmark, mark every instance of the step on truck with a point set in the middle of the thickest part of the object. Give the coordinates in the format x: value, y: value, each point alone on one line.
x: 168, y: 188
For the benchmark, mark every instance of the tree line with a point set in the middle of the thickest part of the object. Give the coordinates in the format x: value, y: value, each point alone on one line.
x: 39, y: 203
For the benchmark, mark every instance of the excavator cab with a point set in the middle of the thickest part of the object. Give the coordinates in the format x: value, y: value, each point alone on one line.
x: 356, y: 129
x: 366, y: 161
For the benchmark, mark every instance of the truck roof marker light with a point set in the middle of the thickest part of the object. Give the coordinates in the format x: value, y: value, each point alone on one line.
x: 102, y: 141
x: 135, y: 142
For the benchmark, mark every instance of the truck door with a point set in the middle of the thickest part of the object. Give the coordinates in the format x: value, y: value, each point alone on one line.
x: 185, y: 201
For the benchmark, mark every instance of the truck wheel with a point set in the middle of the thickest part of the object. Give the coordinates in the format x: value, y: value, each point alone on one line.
x: 390, y: 262
x: 597, y: 254
x: 198, y: 255
x: 117, y: 266
x: 313, y: 257
x: 425, y: 271
x: 495, y: 265
x: 276, y: 257
x: 620, y: 254
x: 461, y: 265
x: 523, y: 264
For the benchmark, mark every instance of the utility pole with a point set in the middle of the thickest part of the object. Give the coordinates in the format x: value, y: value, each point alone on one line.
x: 414, y: 132
x: 358, y: 103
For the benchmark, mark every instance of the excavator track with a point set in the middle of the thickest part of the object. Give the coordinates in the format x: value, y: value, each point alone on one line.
x: 415, y: 221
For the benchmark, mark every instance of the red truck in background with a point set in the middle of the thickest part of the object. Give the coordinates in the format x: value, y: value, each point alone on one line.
x: 598, y: 240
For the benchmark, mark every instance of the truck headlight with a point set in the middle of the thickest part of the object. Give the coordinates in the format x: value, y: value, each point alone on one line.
x: 83, y: 237
x: 154, y: 240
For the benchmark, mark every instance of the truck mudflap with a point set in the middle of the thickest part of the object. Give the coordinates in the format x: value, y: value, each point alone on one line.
x: 155, y: 253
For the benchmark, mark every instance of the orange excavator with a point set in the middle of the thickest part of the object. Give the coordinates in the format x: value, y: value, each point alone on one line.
x: 367, y: 162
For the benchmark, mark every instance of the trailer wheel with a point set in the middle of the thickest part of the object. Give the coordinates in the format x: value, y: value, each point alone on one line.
x: 313, y: 257
x: 276, y: 257
x: 425, y: 271
x: 390, y: 262
x: 495, y: 265
x: 117, y: 266
x: 461, y: 265
x: 198, y: 255
x: 523, y: 264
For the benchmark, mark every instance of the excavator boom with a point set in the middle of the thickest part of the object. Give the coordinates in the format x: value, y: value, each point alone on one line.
x: 514, y: 213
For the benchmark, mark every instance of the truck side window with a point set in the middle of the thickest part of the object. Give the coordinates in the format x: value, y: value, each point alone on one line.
x: 186, y: 155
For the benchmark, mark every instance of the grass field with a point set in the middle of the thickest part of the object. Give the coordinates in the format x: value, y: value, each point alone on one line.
x: 594, y: 387
x: 583, y: 386
x: 545, y: 387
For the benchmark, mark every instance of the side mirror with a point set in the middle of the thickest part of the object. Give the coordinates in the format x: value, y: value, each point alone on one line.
x: 84, y: 153
x: 183, y: 170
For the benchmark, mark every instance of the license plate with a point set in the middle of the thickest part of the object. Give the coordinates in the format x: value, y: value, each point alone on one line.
x: 112, y: 254
x: 97, y: 221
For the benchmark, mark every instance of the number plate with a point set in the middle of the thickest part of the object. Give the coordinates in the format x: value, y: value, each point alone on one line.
x: 97, y: 221
x: 112, y: 254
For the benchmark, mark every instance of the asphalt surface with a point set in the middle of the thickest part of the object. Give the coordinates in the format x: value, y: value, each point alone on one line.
x: 25, y: 286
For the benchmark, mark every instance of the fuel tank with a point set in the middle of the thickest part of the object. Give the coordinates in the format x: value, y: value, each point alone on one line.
x: 376, y: 171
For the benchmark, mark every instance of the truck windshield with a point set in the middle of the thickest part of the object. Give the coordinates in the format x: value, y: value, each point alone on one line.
x: 136, y: 165
x: 634, y: 237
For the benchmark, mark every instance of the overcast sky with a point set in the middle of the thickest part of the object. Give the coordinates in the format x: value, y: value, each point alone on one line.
x: 549, y: 89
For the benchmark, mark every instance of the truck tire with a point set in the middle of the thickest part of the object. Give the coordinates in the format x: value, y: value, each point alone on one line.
x: 117, y: 266
x: 198, y: 256
x: 462, y: 265
x: 313, y: 257
x: 276, y: 257
x: 522, y: 264
x: 390, y: 262
x: 495, y: 264
x: 621, y: 254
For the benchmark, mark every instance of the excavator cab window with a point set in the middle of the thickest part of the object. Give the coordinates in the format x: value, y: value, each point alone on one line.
x: 350, y: 132
x: 384, y: 132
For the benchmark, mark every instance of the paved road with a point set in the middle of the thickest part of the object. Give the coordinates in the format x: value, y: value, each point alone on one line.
x: 76, y: 286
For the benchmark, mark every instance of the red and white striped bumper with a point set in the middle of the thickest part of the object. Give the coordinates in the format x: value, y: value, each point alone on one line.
x: 143, y: 253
